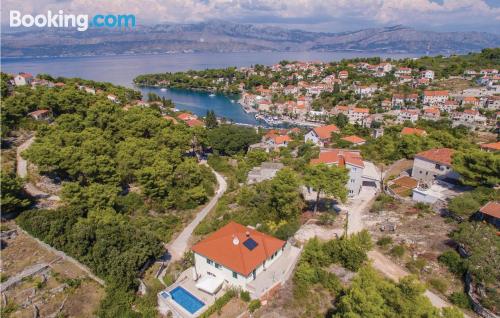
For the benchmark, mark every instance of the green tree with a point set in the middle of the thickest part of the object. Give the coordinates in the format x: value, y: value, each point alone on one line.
x: 211, y: 120
x: 14, y: 199
x: 478, y: 167
x: 328, y: 180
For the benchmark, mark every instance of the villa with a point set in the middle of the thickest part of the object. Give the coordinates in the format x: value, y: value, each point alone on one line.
x: 434, y: 163
x: 235, y: 256
x: 320, y: 136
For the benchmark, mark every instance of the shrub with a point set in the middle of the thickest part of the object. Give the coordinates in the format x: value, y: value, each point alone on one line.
x: 219, y: 303
x: 254, y: 305
x: 460, y: 299
x: 416, y: 266
x: 439, y: 284
x: 453, y: 261
x: 245, y: 295
x: 398, y: 251
x: 384, y: 241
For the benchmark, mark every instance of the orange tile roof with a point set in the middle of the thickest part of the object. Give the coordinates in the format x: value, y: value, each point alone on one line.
x: 353, y: 139
x: 339, y: 157
x: 39, y: 112
x: 185, y: 116
x: 436, y: 93
x: 360, y: 110
x: 413, y: 131
x: 194, y: 122
x: 439, y: 155
x: 170, y: 118
x: 325, y: 132
x: 431, y: 110
x: 491, y: 146
x: 220, y: 247
x: 282, y: 139
x: 491, y: 208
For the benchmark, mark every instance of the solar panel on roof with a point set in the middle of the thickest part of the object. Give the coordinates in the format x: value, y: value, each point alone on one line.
x: 250, y: 244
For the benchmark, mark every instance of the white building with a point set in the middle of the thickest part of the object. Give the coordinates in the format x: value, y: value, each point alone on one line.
x: 408, y: 115
x: 238, y: 256
x: 321, y: 136
x: 435, y: 97
x: 431, y: 164
x: 351, y: 160
x: 23, y: 79
x: 429, y: 74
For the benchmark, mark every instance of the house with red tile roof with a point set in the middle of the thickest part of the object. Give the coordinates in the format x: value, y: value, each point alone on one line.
x: 413, y: 131
x: 320, y: 136
x: 349, y: 159
x: 186, y: 116
x: 491, y: 147
x: 435, y: 97
x: 195, y: 123
x: 355, y: 140
x: 41, y: 114
x: 431, y: 113
x: 490, y: 213
x: 434, y: 163
x: 22, y: 79
x: 408, y: 115
x: 242, y: 257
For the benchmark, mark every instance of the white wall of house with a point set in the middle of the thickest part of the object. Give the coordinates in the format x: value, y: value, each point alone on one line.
x: 427, y: 170
x: 212, y: 268
x: 312, y: 137
x: 355, y: 179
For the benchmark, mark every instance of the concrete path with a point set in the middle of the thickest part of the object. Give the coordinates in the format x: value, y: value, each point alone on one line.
x: 179, y: 246
x: 22, y: 172
x: 357, y: 207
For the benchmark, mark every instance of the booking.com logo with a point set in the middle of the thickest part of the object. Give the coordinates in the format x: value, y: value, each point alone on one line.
x: 60, y: 20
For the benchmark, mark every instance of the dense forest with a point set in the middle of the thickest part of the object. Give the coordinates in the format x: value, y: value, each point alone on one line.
x: 128, y: 180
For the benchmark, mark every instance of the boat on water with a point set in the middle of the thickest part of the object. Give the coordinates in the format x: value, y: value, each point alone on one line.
x: 163, y: 89
x: 211, y: 95
x: 232, y: 101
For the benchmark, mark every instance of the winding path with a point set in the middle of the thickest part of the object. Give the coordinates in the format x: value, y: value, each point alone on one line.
x: 379, y: 261
x: 22, y: 172
x: 179, y: 246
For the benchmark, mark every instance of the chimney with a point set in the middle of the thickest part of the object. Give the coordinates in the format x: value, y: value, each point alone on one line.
x: 247, y: 233
x: 235, y: 240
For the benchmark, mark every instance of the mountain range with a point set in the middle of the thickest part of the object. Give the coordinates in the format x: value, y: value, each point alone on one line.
x: 222, y: 36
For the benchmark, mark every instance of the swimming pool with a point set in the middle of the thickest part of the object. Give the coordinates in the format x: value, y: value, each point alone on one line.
x: 186, y: 299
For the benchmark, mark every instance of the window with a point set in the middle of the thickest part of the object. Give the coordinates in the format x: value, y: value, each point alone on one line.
x: 211, y: 274
x: 209, y: 261
x: 235, y: 275
x: 218, y: 266
x: 438, y: 166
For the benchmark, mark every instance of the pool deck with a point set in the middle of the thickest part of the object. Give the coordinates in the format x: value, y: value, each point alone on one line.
x: 186, y: 281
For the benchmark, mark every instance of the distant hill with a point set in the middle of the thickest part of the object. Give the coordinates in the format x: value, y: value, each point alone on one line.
x: 221, y: 36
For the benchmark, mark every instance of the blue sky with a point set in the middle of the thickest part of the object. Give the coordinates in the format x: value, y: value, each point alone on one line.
x: 314, y: 15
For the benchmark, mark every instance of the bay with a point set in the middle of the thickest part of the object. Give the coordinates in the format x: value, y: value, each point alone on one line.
x: 122, y: 69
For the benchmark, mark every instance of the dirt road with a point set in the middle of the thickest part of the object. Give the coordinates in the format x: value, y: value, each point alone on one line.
x: 178, y: 246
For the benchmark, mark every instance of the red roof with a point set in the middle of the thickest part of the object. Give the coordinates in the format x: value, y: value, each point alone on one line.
x: 439, y: 155
x: 194, y: 122
x: 325, y: 132
x: 360, y: 110
x: 491, y: 146
x: 339, y: 157
x: 436, y: 93
x: 226, y: 247
x: 354, y: 139
x: 39, y: 112
x: 431, y: 111
x: 413, y: 131
x: 491, y: 208
x: 281, y: 139
x: 185, y: 116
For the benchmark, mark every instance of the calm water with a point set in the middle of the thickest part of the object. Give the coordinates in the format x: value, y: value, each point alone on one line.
x: 121, y: 70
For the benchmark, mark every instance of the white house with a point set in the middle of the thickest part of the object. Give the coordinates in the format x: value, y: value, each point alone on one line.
x: 22, y: 79
x: 351, y: 160
x: 408, y: 115
x: 469, y: 117
x: 320, y: 136
x: 433, y: 163
x: 357, y: 115
x: 435, y: 97
x: 236, y: 255
x: 429, y: 74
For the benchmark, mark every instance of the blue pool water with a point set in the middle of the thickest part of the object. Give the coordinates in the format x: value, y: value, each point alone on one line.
x: 186, y: 299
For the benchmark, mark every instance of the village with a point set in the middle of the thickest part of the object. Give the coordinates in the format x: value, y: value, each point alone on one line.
x: 359, y: 149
